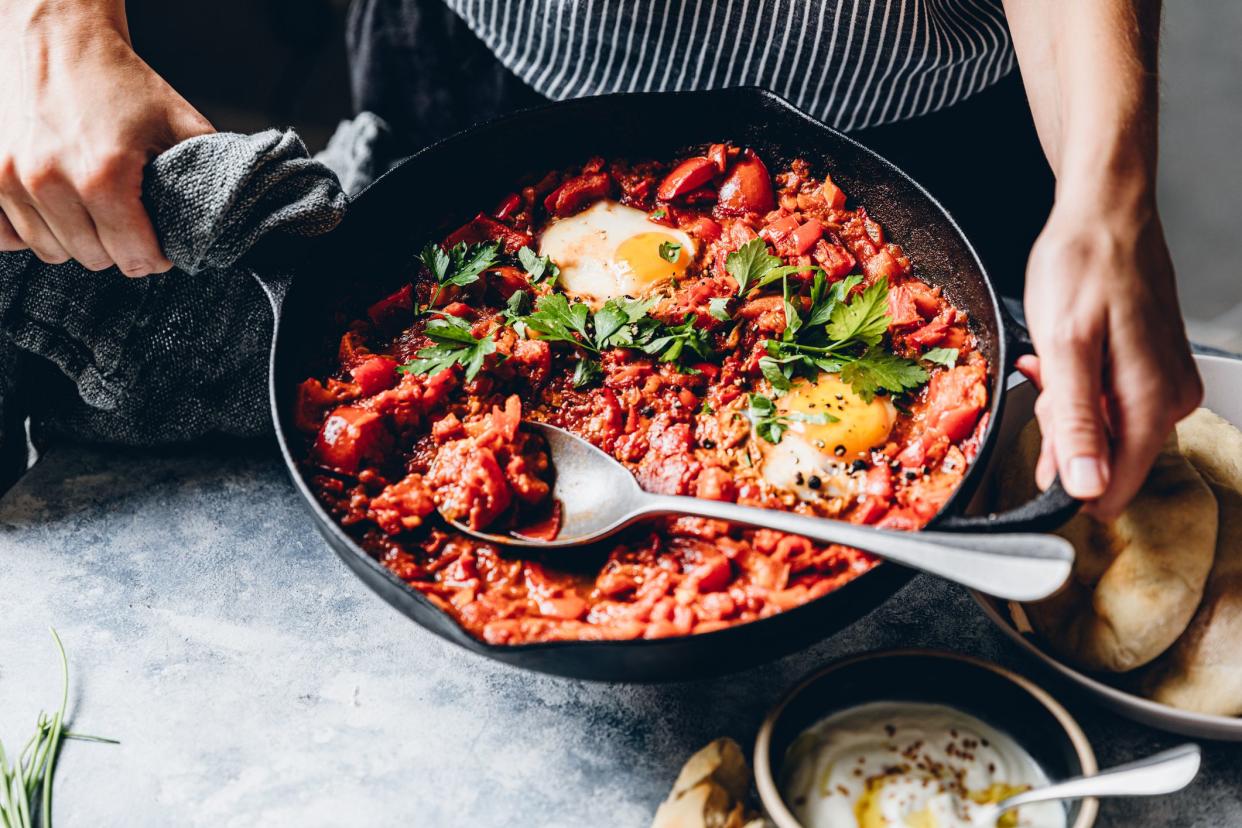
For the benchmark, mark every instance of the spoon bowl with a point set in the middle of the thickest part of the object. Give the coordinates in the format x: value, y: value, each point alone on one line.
x: 599, y: 497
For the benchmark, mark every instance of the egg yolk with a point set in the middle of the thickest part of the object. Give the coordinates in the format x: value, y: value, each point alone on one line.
x: 641, y: 253
x: 854, y: 427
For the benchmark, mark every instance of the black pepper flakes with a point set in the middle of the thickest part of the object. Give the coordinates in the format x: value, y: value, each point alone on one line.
x: 814, y: 482
x: 858, y: 465
x: 839, y: 451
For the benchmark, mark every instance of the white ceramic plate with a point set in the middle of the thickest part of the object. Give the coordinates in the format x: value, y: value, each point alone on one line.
x: 1222, y: 378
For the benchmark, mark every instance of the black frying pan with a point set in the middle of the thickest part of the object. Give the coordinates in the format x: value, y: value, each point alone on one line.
x: 441, y: 187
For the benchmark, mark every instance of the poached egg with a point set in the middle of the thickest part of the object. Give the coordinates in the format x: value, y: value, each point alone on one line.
x: 812, y: 458
x: 611, y: 250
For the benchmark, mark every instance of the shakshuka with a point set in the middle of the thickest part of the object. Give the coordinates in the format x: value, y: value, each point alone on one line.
x: 723, y: 332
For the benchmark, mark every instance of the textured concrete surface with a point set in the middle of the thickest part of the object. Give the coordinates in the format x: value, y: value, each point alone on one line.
x: 252, y: 680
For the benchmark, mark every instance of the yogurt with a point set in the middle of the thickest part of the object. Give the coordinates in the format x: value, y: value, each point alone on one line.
x: 909, y: 765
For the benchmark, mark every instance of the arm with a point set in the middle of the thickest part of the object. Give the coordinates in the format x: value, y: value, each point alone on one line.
x: 1114, y: 365
x: 80, y: 116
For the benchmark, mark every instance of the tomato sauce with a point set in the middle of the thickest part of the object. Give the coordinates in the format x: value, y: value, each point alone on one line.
x: 388, y: 447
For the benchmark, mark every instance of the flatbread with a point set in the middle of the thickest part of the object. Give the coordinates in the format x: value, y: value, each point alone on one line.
x: 710, y: 791
x: 1202, y: 672
x: 1138, y: 580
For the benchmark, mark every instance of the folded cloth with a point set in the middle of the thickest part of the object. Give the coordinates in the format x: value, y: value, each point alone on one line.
x: 184, y: 354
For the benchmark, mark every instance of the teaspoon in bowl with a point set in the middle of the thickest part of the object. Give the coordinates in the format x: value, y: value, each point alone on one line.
x: 1161, y: 773
x: 599, y: 497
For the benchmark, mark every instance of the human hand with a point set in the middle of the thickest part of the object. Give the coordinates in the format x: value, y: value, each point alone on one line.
x: 1114, y: 366
x: 80, y: 116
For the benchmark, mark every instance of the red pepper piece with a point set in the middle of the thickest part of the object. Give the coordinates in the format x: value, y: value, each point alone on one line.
x: 395, y: 310
x: 686, y: 177
x: 747, y: 188
x: 804, y: 237
x: 484, y: 228
x: 578, y: 193
x: 704, y: 228
x: 507, y: 206
x: 719, y: 155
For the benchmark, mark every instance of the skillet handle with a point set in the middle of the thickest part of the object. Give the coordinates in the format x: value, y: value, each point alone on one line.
x: 1051, y: 508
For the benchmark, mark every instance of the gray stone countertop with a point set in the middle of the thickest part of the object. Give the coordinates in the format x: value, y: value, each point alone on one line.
x: 253, y: 680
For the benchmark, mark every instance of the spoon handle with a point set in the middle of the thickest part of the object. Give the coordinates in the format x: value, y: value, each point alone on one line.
x: 1162, y: 773
x: 1016, y: 567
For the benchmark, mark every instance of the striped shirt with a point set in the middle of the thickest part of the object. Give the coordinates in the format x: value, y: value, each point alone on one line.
x: 850, y: 63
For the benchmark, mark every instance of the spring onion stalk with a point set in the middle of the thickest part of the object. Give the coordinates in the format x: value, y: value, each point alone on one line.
x: 28, y: 782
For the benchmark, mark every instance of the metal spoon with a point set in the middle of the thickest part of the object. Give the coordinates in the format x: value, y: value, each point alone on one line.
x: 599, y: 497
x: 1162, y: 773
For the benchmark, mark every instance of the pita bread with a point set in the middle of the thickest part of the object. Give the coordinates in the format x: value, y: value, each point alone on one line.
x: 1137, y: 580
x: 1202, y: 672
x: 710, y: 791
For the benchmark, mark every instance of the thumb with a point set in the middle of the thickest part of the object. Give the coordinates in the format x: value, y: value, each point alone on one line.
x: 1071, y: 374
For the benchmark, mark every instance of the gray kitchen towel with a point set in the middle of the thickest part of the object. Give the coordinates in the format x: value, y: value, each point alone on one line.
x: 172, y: 357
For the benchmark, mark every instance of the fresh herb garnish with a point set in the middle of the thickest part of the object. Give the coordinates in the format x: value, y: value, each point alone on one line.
x: 670, y: 343
x: 455, y: 344
x: 458, y: 267
x: 586, y: 372
x: 538, y: 267
x: 753, y: 267
x: 515, y: 309
x: 771, y: 425
x: 718, y: 307
x: 621, y: 323
x: 841, y: 335
x: 34, y: 768
x: 659, y: 214
x: 941, y: 356
x: 669, y: 251
x: 558, y: 320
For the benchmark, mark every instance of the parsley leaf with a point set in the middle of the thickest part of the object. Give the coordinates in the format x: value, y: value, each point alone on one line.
x: 941, y: 356
x: 515, y: 309
x: 864, y: 319
x: 670, y: 343
x: 458, y: 267
x: 718, y: 307
x: 538, y: 267
x: 749, y: 263
x: 878, y: 369
x: 771, y: 425
x: 669, y: 251
x: 612, y: 321
x: 586, y: 372
x: 455, y: 344
x: 559, y: 321
x: 436, y: 261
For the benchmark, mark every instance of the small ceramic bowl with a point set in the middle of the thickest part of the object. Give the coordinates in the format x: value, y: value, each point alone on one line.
x: 1222, y: 381
x: 1002, y: 699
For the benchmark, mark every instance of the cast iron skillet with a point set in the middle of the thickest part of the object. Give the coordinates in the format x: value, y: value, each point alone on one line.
x: 441, y: 187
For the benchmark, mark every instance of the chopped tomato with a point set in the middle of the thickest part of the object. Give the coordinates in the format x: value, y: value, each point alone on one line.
x: 351, y: 436
x: 375, y: 375
x: 747, y: 188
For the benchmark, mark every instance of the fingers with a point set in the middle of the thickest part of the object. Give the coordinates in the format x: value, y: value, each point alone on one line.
x: 67, y: 219
x: 10, y: 241
x: 1144, y: 408
x: 29, y: 225
x: 1071, y: 373
x: 96, y: 217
